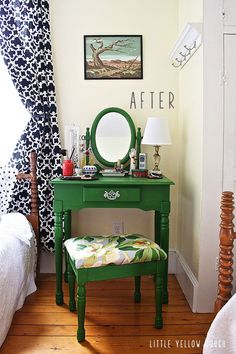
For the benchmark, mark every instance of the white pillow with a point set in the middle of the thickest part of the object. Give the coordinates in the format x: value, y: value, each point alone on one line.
x: 16, y: 225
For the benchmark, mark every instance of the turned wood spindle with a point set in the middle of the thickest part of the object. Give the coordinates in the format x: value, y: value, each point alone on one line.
x: 33, y: 217
x: 226, y: 236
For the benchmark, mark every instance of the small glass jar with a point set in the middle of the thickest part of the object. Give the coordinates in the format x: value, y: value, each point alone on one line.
x: 67, y: 168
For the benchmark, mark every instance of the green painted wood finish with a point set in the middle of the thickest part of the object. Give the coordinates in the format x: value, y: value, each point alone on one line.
x: 84, y: 275
x: 87, y: 143
x: 71, y: 281
x: 67, y: 229
x: 81, y: 302
x: 93, y: 135
x: 146, y: 194
x: 158, y: 295
x: 58, y: 259
x: 121, y: 194
x: 139, y: 139
x: 137, y: 293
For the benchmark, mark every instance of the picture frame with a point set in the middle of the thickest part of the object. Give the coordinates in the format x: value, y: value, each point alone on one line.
x: 113, y: 57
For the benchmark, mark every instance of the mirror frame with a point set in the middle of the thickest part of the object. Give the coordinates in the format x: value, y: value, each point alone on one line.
x: 93, y: 135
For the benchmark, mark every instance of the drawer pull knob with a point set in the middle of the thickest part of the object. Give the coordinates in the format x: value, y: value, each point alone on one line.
x: 112, y: 195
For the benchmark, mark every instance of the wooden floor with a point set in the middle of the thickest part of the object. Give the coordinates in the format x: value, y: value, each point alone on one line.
x: 114, y: 323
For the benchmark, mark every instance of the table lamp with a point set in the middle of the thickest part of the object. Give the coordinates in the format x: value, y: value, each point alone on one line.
x: 156, y: 133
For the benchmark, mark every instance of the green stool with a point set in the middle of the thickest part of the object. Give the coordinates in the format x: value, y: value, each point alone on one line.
x: 92, y: 258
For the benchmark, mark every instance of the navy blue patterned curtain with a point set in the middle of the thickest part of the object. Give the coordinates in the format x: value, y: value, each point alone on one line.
x: 26, y: 50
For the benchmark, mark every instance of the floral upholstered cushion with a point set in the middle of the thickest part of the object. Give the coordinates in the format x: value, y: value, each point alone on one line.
x: 97, y: 251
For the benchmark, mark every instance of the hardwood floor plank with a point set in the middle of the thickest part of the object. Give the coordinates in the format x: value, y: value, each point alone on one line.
x: 114, y: 323
x: 99, y: 318
x: 117, y: 292
x: 105, y: 345
x: 102, y: 301
x: 50, y: 277
x: 105, y: 308
x: 126, y: 283
x: 115, y: 330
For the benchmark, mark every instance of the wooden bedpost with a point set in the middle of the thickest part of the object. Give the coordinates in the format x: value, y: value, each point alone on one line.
x: 33, y: 217
x: 227, y: 236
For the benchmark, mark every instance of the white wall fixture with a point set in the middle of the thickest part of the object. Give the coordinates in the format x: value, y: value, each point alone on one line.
x: 186, y: 45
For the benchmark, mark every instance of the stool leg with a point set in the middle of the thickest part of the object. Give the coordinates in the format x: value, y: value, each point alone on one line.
x: 71, y: 281
x: 67, y: 229
x: 81, y: 301
x: 137, y: 293
x: 158, y: 300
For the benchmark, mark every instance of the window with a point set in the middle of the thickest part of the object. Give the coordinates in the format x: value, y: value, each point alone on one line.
x: 13, y: 115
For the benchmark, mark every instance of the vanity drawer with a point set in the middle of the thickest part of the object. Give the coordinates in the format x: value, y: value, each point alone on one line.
x: 103, y: 194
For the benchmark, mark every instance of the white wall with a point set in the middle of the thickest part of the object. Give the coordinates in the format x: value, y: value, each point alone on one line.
x: 79, y: 100
x: 190, y: 135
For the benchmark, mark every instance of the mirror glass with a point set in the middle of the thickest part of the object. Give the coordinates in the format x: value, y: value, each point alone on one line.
x: 112, y: 136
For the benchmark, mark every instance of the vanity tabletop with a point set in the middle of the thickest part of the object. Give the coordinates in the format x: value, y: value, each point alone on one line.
x: 127, y: 180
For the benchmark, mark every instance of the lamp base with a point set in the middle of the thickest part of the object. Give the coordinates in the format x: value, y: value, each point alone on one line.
x: 155, y: 174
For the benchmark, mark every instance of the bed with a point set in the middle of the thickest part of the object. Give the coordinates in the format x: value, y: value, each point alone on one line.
x: 18, y: 255
x: 221, y: 337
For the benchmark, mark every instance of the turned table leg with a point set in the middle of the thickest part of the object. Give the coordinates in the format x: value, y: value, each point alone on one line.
x: 158, y: 300
x: 67, y: 228
x: 58, y: 251
x: 162, y: 237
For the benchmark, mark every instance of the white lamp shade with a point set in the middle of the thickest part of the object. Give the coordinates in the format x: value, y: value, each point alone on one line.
x: 156, y: 132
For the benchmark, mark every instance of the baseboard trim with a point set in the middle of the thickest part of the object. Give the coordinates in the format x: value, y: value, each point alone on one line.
x: 172, y: 261
x: 47, y: 262
x: 187, y: 281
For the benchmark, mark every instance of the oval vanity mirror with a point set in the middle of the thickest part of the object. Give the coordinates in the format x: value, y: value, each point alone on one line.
x: 112, y: 136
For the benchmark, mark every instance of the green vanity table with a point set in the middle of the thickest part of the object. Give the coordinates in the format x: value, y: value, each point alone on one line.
x: 110, y: 192
x: 112, y: 137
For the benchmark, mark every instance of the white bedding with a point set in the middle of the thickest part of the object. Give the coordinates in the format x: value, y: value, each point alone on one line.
x: 221, y: 337
x: 17, y: 263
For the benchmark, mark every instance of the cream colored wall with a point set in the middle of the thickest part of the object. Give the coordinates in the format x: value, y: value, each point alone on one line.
x: 190, y: 135
x: 79, y: 100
